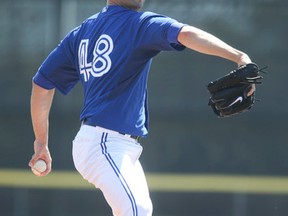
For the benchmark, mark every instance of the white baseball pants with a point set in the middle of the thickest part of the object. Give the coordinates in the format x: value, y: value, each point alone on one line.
x: 109, y: 160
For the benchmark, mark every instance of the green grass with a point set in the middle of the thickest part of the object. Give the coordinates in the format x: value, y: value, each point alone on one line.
x: 157, y: 182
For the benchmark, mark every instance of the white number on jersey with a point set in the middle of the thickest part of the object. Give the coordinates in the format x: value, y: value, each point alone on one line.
x: 101, y: 63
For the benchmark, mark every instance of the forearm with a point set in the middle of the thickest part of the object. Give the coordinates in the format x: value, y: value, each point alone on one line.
x: 41, y: 101
x: 206, y: 43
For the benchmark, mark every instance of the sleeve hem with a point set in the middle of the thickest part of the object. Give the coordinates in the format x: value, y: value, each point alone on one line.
x: 172, y: 35
x: 45, y: 83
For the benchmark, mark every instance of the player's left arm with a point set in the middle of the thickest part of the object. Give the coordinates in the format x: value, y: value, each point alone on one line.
x: 206, y: 43
x: 41, y: 101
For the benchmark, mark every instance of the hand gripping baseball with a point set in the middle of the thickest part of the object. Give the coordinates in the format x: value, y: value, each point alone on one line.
x: 41, y: 152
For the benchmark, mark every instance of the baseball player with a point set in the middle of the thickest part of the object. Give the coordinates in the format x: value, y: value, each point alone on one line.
x: 110, y: 54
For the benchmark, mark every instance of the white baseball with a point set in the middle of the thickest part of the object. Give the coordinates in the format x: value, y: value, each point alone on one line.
x: 40, y: 166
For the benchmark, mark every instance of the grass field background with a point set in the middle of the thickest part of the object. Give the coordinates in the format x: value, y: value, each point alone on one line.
x: 157, y: 182
x: 65, y: 193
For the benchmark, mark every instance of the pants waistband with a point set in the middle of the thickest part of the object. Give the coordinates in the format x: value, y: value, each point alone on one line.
x: 87, y: 122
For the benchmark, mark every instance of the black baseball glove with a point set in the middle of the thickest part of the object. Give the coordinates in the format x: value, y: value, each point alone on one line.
x: 229, y: 93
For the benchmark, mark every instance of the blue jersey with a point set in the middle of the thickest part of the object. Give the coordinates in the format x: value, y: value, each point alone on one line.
x: 110, y: 54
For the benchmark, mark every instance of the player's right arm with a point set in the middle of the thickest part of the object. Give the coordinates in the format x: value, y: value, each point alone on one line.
x: 203, y: 42
x: 41, y: 101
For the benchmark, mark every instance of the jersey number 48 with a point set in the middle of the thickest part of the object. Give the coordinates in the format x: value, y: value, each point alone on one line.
x: 101, y: 63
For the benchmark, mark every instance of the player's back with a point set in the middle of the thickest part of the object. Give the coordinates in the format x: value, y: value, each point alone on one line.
x: 112, y: 52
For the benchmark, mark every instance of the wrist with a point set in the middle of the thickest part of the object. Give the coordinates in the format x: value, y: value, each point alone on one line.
x: 243, y: 59
x: 40, y: 142
x: 40, y: 145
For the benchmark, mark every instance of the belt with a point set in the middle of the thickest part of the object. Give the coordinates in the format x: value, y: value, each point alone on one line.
x: 87, y: 122
x: 137, y: 138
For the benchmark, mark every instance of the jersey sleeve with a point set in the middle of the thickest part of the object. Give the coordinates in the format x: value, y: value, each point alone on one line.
x: 58, y: 70
x: 161, y: 32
